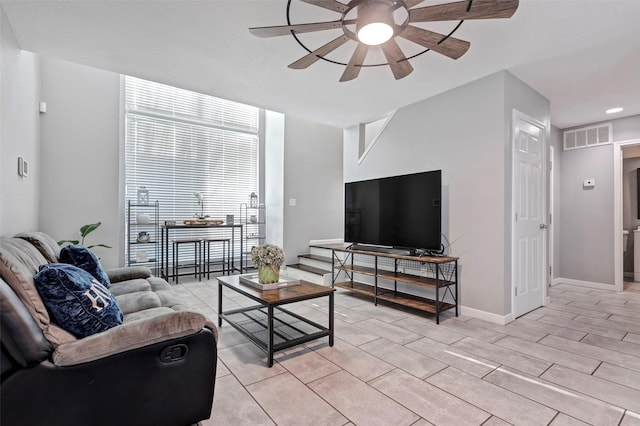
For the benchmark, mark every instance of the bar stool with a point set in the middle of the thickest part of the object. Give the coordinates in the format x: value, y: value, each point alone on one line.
x: 226, y: 258
x: 197, y: 262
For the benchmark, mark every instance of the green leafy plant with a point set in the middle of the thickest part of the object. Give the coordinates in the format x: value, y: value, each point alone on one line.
x: 84, y: 231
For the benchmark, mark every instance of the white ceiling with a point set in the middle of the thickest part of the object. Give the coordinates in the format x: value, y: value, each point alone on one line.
x: 583, y: 55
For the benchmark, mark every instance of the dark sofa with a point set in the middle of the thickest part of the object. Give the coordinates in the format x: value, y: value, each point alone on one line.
x: 157, y: 368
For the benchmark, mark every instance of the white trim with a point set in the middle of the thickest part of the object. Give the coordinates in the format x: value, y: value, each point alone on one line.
x: 618, y: 252
x: 517, y: 115
x: 363, y: 128
x: 329, y: 241
x: 580, y: 283
x: 486, y: 316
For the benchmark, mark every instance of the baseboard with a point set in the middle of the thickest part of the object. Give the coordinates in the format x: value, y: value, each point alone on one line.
x: 329, y: 241
x: 629, y: 275
x: 580, y: 283
x: 486, y: 316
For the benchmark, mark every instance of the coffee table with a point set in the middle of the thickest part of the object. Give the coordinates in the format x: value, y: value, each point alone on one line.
x: 267, y: 324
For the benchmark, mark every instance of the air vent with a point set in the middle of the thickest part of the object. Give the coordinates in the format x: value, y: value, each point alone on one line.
x: 588, y: 136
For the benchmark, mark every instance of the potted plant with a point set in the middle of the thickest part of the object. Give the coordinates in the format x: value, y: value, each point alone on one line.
x: 268, y: 258
x: 84, y: 231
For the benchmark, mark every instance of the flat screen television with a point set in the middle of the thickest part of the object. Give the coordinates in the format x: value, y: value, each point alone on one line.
x: 398, y: 212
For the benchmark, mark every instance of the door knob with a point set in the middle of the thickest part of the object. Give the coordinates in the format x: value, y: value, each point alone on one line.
x: 543, y: 226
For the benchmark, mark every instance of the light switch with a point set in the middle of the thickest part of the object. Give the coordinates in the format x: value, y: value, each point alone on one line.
x: 292, y: 202
x: 589, y: 183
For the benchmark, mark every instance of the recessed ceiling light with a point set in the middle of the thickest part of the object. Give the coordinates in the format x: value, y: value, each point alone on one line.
x: 614, y: 110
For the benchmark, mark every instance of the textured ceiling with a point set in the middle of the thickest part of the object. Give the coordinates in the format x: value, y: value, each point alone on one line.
x: 583, y: 55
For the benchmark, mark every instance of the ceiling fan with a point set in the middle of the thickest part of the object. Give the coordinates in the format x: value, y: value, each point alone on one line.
x: 379, y: 22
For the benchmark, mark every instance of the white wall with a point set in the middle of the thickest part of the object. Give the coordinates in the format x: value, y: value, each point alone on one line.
x: 80, y: 155
x: 19, y: 135
x: 466, y: 133
x: 313, y: 177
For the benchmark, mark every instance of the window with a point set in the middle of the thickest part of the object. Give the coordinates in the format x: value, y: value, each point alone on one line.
x: 178, y: 143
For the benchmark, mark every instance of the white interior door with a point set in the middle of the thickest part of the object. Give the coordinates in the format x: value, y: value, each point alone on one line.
x: 529, y: 245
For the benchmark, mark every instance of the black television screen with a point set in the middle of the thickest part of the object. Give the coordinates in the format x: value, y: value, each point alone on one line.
x: 398, y: 211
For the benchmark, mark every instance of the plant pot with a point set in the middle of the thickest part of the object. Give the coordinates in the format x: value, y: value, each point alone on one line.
x: 268, y: 274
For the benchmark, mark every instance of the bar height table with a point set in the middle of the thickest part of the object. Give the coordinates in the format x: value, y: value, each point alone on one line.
x: 164, y: 244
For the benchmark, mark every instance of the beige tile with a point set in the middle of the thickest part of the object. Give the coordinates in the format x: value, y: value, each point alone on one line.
x: 361, y: 403
x: 567, y: 333
x: 352, y: 334
x: 388, y: 331
x: 423, y: 422
x: 613, y: 357
x: 356, y: 361
x: 492, y: 399
x: 548, y: 311
x: 469, y: 363
x: 427, y: 328
x: 517, y: 360
x: 380, y: 312
x: 404, y: 358
x: 229, y: 336
x: 495, y: 421
x: 306, y: 365
x: 581, y: 326
x: 608, y: 309
x: 596, y: 387
x: 613, y: 344
x: 248, y: 363
x: 556, y: 356
x: 512, y: 329
x: 289, y: 402
x: 428, y: 401
x: 472, y: 330
x: 564, y: 420
x: 232, y: 405
x: 349, y: 299
x: 560, y: 307
x: 221, y: 369
x: 630, y: 419
x: 348, y: 315
x: 623, y: 319
x: 632, y: 338
x: 626, y: 327
x: 574, y: 404
x: 619, y: 375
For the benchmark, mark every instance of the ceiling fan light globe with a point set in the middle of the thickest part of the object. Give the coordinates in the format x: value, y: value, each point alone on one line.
x: 375, y: 33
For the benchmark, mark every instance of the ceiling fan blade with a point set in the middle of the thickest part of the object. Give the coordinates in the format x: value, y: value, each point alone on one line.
x: 480, y: 9
x: 399, y: 64
x: 312, y: 57
x: 334, y: 5
x: 355, y: 63
x: 451, y: 47
x: 282, y: 30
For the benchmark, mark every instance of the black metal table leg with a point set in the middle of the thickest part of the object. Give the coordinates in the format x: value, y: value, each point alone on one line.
x: 331, y: 325
x: 219, y: 304
x: 270, y: 332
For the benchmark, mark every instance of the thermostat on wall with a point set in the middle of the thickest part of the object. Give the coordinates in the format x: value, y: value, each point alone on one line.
x: 589, y: 183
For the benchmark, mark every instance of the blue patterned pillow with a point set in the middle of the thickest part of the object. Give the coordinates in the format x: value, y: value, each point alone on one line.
x: 76, y: 301
x: 84, y: 258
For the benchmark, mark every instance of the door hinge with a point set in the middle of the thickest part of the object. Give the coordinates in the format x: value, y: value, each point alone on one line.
x: 516, y: 217
x: 550, y: 218
x: 516, y: 289
x: 549, y: 270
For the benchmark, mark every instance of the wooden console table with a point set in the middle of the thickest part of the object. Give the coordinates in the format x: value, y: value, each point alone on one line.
x: 440, y: 273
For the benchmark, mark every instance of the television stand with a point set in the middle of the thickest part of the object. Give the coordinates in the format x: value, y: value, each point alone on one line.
x: 388, y: 269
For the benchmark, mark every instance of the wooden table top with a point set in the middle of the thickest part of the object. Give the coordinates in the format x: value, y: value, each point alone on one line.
x: 305, y: 290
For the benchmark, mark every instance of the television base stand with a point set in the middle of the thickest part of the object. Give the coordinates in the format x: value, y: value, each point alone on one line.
x: 383, y: 249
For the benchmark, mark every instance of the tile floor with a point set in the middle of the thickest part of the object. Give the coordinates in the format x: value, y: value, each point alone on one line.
x: 573, y: 362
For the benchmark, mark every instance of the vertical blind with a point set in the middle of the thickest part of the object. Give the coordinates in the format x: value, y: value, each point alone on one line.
x: 180, y: 142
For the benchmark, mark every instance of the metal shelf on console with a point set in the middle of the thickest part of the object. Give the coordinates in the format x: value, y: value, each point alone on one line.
x: 398, y: 276
x: 441, y: 271
x: 389, y: 295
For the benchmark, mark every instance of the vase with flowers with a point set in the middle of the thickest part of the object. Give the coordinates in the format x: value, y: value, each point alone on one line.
x: 268, y: 258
